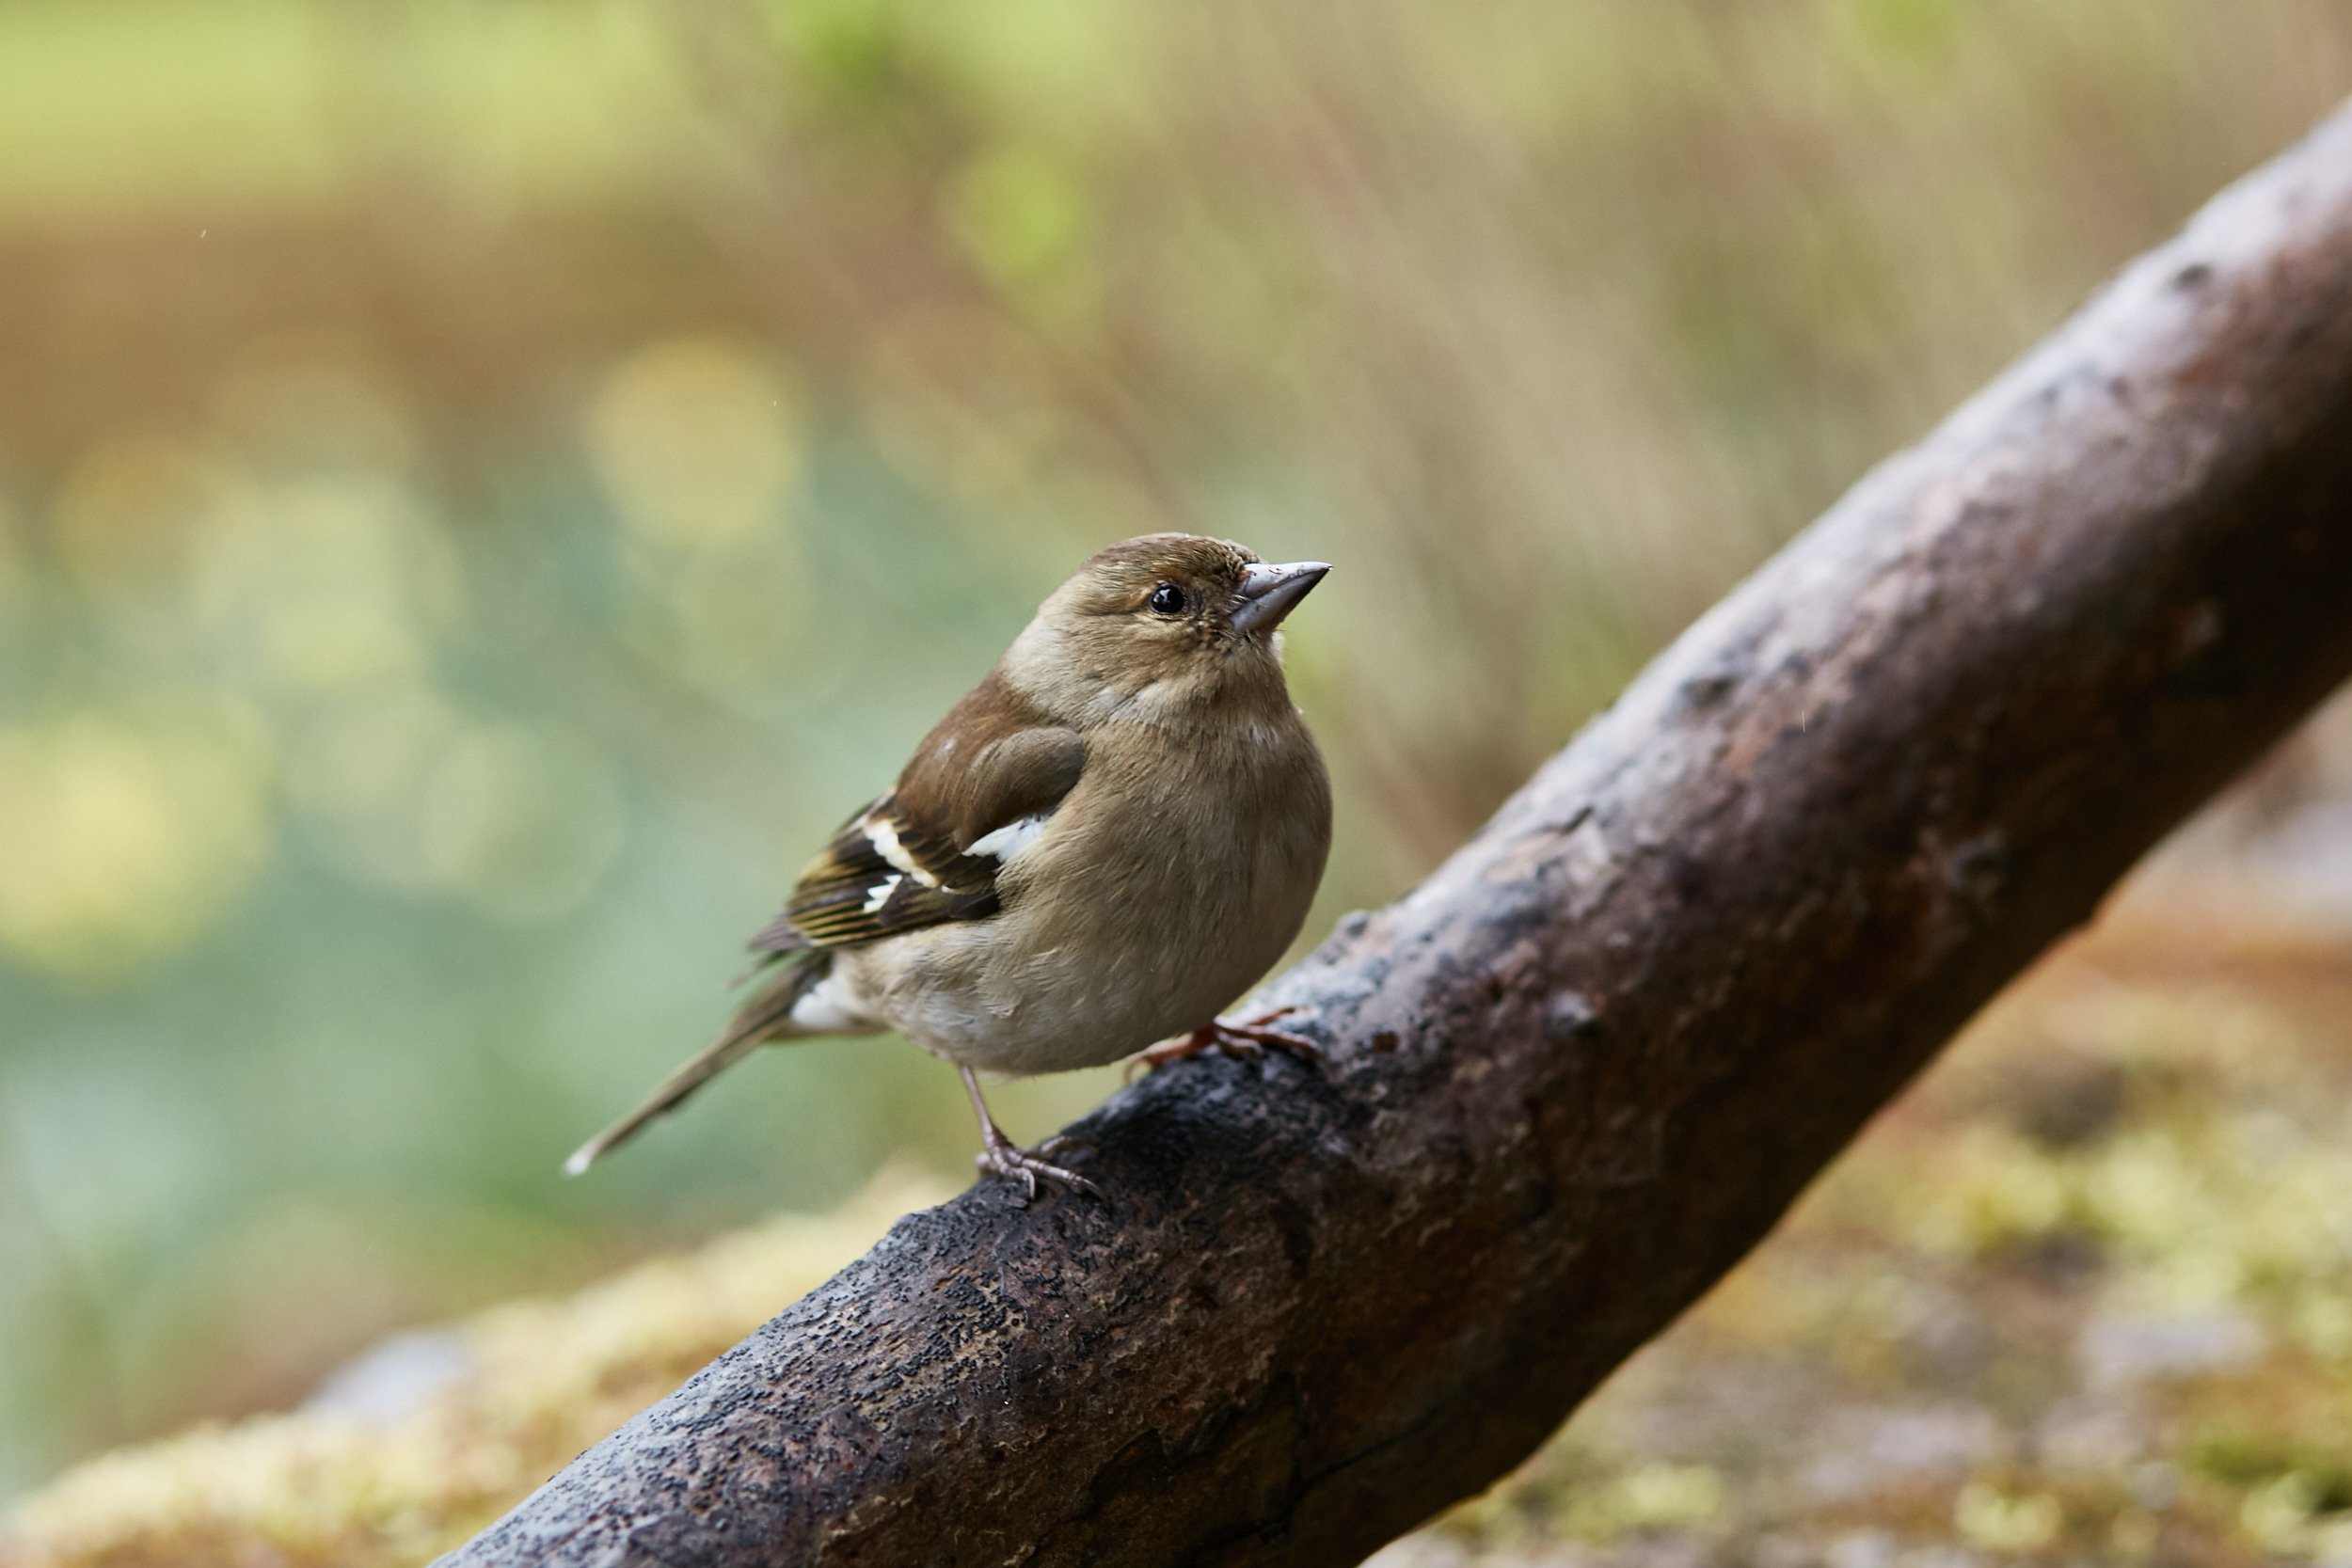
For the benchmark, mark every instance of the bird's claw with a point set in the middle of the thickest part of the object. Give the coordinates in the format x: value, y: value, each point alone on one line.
x: 1001, y: 1158
x: 1249, y: 1040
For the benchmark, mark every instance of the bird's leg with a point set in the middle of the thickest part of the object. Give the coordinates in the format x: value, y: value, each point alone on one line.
x: 1248, y: 1040
x: 999, y: 1157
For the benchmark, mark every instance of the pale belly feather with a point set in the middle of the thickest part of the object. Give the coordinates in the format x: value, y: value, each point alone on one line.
x: 1161, y: 931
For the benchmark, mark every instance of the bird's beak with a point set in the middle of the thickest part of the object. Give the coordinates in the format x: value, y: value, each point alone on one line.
x: 1270, y: 593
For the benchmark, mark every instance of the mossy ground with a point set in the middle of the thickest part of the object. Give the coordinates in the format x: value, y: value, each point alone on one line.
x: 2079, y: 1298
x: 415, y: 1448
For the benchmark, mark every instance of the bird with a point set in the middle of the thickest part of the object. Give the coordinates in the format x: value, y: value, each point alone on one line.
x: 1102, y: 846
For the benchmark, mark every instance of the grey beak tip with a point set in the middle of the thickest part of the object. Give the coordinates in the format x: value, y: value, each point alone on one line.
x: 1269, y: 592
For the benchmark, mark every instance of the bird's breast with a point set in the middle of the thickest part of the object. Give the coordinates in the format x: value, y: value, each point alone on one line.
x: 1166, y: 884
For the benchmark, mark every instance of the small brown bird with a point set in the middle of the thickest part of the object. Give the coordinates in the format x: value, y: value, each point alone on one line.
x: 1106, y: 842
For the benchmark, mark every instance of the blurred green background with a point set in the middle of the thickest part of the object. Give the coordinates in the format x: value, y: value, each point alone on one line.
x: 485, y: 484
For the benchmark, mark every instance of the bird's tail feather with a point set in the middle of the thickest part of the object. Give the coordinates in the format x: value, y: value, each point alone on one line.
x: 750, y: 1026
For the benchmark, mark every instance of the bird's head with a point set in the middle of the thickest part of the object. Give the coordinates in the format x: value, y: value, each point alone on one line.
x: 1161, y: 624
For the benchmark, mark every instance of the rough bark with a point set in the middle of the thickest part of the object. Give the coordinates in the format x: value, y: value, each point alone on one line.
x: 1589, y: 1063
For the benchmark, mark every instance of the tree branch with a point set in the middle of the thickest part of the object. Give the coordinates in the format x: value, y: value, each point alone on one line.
x: 1589, y: 1063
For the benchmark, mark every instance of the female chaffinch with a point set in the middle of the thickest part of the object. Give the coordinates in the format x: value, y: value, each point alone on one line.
x: 1106, y: 842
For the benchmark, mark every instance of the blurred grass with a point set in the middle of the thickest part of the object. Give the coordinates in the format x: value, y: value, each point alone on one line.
x: 483, y: 485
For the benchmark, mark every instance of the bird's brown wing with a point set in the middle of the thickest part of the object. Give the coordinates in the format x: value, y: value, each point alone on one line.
x: 929, y: 850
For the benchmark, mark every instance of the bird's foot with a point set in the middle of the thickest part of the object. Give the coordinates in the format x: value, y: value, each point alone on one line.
x: 1002, y: 1156
x: 1249, y: 1040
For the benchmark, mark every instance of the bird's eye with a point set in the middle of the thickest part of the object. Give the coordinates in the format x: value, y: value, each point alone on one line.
x: 1168, y: 599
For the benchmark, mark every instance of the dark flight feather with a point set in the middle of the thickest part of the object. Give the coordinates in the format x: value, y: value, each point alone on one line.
x: 905, y: 861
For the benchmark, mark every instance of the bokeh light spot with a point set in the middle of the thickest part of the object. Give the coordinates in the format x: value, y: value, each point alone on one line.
x: 697, y: 440
x: 1021, y: 213
x: 120, y: 841
x: 520, y: 820
x: 517, y: 819
x: 333, y: 580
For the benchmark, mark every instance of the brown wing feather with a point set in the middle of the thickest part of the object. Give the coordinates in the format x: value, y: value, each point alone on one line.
x: 902, y: 864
